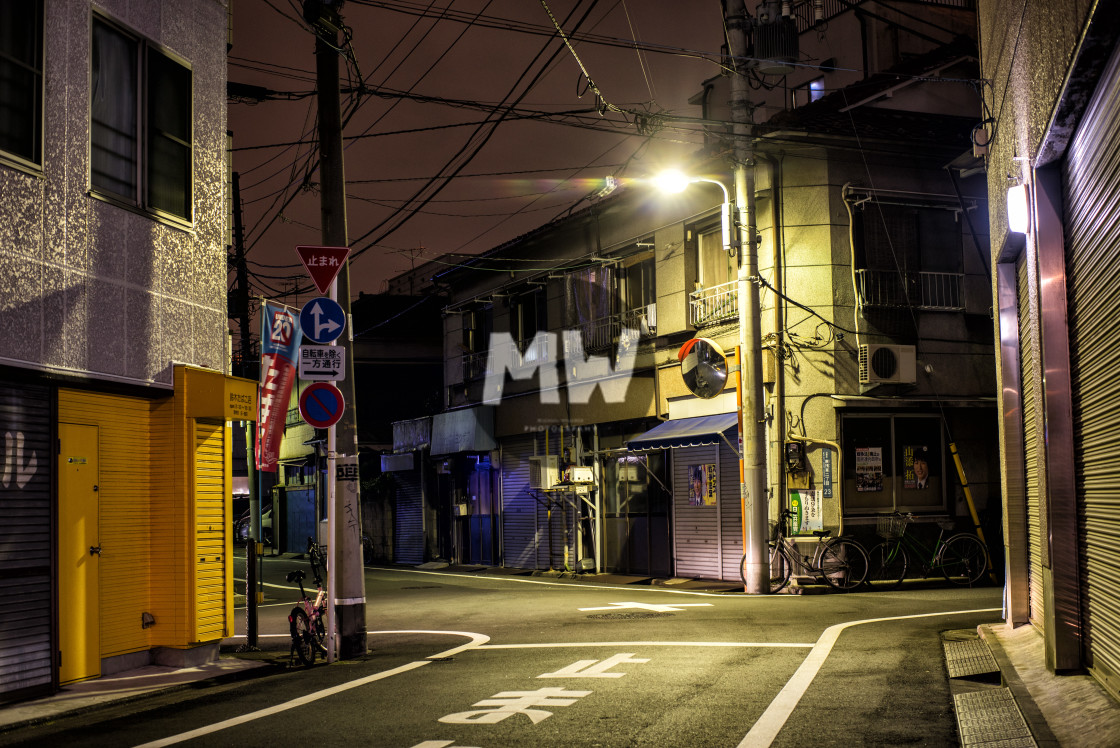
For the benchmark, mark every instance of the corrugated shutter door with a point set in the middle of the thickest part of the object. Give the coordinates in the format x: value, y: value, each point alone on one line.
x: 1032, y: 446
x: 696, y: 530
x: 1092, y: 256
x: 730, y: 513
x: 408, y: 519
x: 519, y: 508
x: 25, y: 540
x: 210, y: 531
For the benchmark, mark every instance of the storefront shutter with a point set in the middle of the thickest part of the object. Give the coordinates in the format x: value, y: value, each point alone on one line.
x: 1092, y: 176
x: 26, y: 466
x: 408, y: 518
x: 211, y: 527
x: 1032, y: 443
x: 519, y: 507
x: 697, y: 546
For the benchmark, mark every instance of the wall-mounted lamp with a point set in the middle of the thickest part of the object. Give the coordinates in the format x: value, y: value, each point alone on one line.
x: 1019, y: 208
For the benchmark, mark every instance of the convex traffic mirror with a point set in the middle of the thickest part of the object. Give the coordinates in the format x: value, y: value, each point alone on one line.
x: 703, y: 367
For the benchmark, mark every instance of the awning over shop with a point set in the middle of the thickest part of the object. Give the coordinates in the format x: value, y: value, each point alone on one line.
x: 467, y: 430
x: 688, y: 432
x: 412, y: 435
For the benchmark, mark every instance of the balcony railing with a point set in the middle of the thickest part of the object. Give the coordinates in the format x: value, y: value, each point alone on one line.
x: 715, y: 305
x: 477, y: 364
x: 889, y: 289
x: 602, y: 334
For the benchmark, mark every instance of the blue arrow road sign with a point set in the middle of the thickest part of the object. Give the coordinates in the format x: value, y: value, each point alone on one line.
x: 321, y: 405
x: 322, y: 320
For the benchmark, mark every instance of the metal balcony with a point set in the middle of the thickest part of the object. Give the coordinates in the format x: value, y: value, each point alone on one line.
x: 602, y: 334
x: 715, y: 305
x: 889, y: 289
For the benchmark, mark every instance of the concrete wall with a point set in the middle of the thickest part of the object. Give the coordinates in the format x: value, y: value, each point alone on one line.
x: 90, y: 287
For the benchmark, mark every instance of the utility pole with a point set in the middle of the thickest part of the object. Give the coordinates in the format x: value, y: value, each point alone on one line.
x: 346, y: 570
x: 753, y: 487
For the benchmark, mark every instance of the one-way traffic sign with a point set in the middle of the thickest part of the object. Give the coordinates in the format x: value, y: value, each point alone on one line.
x: 323, y: 363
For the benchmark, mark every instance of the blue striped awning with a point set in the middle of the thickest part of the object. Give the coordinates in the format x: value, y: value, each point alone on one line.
x: 698, y: 431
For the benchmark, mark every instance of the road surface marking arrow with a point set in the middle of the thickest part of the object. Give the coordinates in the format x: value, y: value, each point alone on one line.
x: 675, y: 607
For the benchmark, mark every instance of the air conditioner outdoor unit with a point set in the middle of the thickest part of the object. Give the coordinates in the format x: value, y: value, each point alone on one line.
x: 886, y: 363
x: 544, y: 471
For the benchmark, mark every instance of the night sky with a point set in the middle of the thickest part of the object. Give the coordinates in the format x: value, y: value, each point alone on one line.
x: 433, y: 72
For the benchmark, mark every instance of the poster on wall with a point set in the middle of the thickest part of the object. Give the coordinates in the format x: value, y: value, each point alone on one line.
x: 915, y: 466
x: 808, y: 510
x: 703, y: 485
x: 869, y: 468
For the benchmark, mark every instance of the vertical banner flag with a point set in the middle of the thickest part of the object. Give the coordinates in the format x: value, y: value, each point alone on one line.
x: 280, y: 339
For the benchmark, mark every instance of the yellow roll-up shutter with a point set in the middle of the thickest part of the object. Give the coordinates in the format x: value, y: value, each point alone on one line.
x: 210, y: 493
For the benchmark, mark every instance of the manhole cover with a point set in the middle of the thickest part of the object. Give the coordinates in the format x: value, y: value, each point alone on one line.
x: 628, y: 616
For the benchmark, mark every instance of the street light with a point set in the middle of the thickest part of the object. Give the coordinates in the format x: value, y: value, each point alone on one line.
x: 752, y: 477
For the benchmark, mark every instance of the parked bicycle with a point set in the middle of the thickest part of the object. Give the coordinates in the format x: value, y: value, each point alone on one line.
x: 961, y: 558
x: 841, y: 562
x: 307, y: 620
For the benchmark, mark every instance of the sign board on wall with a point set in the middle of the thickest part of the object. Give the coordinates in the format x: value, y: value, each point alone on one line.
x: 703, y: 485
x: 808, y: 511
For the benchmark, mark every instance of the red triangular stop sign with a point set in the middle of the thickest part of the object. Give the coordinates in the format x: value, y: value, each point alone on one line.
x: 322, y: 263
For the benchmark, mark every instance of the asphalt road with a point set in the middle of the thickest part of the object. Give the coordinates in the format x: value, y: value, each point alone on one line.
x: 459, y: 660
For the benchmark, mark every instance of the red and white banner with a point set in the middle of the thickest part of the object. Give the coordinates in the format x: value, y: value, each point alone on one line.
x: 280, y: 339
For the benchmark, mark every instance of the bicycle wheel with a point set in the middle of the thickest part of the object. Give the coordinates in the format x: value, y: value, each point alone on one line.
x: 843, y: 564
x: 780, y: 569
x: 888, y: 562
x: 963, y: 559
x: 303, y: 640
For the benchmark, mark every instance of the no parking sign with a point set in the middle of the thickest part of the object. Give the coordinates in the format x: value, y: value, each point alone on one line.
x: 321, y: 405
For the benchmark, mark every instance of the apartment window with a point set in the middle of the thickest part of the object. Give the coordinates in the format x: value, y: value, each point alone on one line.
x: 716, y: 265
x: 21, y: 81
x: 809, y: 92
x: 528, y: 316
x: 636, y: 282
x: 140, y: 129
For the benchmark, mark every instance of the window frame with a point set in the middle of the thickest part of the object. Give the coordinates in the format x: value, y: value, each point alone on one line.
x: 35, y: 164
x: 808, y: 91
x: 145, y: 201
x: 712, y: 229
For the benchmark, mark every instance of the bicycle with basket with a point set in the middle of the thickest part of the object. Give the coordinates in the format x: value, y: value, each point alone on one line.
x: 961, y: 558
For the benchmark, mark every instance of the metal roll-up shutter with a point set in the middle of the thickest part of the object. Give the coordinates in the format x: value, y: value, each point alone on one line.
x: 519, y: 507
x: 1032, y: 442
x: 211, y: 523
x: 1092, y: 185
x: 25, y: 540
x: 408, y: 518
x: 730, y: 513
x: 697, y: 548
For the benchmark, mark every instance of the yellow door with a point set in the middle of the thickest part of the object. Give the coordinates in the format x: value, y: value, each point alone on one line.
x: 79, y: 551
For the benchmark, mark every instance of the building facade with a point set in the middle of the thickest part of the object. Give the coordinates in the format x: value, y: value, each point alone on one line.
x: 1054, y: 184
x: 115, y: 397
x: 569, y: 439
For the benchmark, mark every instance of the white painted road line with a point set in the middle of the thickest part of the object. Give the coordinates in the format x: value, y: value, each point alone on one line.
x: 559, y: 645
x: 582, y: 586
x: 762, y: 734
x: 475, y: 640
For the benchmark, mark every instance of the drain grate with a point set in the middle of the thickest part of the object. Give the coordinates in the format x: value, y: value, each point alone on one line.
x: 422, y: 587
x: 990, y: 717
x: 968, y: 657
x: 627, y: 616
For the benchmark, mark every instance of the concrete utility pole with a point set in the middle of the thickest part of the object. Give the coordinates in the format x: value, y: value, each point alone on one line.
x: 755, y: 510
x: 348, y: 580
